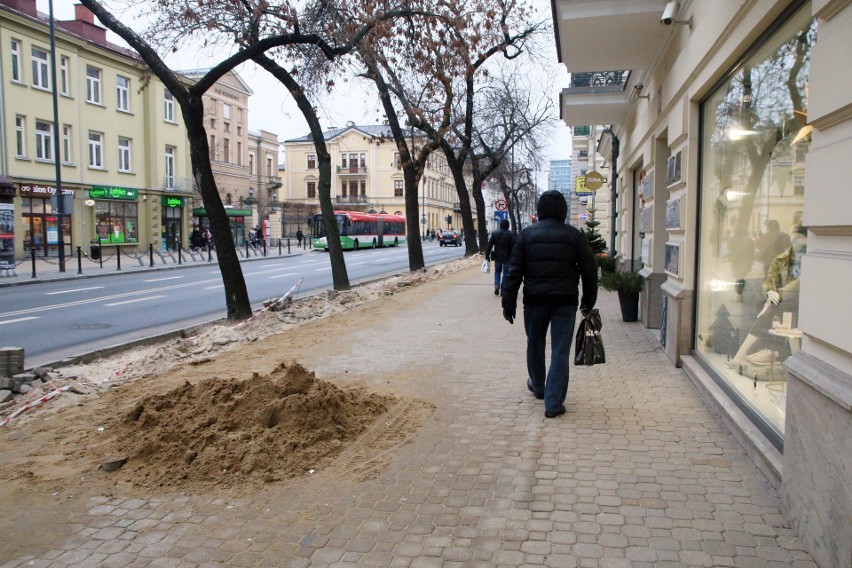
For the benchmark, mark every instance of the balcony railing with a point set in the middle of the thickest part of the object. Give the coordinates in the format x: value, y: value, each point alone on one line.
x: 351, y: 170
x: 599, y: 79
x: 180, y: 185
x: 273, y: 182
x: 350, y: 199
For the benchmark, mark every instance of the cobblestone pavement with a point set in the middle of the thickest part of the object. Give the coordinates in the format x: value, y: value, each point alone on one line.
x: 638, y: 473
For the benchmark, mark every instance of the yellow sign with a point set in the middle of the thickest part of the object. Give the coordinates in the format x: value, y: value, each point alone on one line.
x: 594, y: 180
x: 581, y: 184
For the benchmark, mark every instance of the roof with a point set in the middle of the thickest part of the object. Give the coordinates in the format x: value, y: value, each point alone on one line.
x: 371, y: 130
x: 238, y: 85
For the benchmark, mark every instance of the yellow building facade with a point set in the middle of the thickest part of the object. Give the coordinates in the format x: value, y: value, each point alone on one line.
x: 123, y: 152
x: 367, y: 175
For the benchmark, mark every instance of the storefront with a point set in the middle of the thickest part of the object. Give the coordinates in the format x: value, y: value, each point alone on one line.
x: 172, y: 221
x: 237, y: 219
x: 116, y: 214
x: 41, y: 221
x: 754, y: 140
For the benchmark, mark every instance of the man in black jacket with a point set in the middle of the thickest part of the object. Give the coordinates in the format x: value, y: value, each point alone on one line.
x: 550, y: 258
x: 500, y: 243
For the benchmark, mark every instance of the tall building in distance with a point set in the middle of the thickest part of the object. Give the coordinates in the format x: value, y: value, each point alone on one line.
x: 559, y: 178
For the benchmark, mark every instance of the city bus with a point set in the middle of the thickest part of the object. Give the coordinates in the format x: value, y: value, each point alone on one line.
x: 361, y: 230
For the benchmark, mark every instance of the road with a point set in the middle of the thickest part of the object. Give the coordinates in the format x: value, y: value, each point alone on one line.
x: 59, y: 320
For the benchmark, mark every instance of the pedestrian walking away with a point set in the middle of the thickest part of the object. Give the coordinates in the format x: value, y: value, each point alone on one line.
x: 550, y: 259
x: 499, y: 249
x: 299, y: 236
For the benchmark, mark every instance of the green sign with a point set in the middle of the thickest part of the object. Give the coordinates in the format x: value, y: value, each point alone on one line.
x: 172, y: 201
x: 110, y: 192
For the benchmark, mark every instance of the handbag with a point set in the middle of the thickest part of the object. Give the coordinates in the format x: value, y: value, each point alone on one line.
x: 486, y: 266
x: 588, y: 343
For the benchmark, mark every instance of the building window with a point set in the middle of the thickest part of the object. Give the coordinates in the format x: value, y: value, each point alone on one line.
x: 363, y: 188
x: 117, y: 222
x: 96, y: 150
x: 41, y: 69
x: 212, y: 123
x: 17, y: 72
x: 343, y: 161
x: 269, y: 167
x: 44, y: 140
x: 353, y: 161
x: 751, y: 243
x: 213, y: 147
x: 226, y: 150
x: 312, y: 161
x: 170, y: 166
x: 251, y: 163
x: 93, y: 85
x: 396, y: 162
x: 226, y: 126
x: 397, y: 187
x: 239, y: 130
x: 363, y: 158
x: 226, y: 111
x: 343, y: 189
x: 64, y: 71
x: 66, y: 144
x: 124, y: 164
x: 239, y: 153
x: 122, y: 92
x: 20, y: 137
x: 169, y: 106
x: 312, y: 190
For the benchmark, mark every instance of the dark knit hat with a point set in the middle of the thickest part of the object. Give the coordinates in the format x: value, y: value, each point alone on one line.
x: 552, y: 204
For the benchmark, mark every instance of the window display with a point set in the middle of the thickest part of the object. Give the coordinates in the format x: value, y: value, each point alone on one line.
x: 755, y: 136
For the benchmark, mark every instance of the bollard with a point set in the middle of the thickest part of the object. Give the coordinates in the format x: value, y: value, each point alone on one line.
x: 79, y: 261
x: 288, y: 245
x: 209, y: 252
x: 33, y: 251
x: 118, y: 256
x: 151, y: 255
x: 180, y: 249
x: 247, y: 248
x: 279, y: 248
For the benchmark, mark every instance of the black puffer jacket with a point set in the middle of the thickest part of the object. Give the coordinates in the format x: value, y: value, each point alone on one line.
x: 501, y: 243
x: 551, y: 258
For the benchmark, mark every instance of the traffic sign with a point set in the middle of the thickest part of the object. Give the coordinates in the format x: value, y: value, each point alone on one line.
x: 501, y: 205
x: 501, y: 215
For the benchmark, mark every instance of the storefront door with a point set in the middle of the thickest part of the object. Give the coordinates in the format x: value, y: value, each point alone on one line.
x: 172, y: 218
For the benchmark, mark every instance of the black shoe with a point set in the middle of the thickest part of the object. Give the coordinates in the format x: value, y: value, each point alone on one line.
x: 554, y: 413
x: 532, y: 390
x: 496, y: 291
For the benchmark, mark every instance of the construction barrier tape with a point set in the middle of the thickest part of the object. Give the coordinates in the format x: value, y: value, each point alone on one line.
x: 35, y: 403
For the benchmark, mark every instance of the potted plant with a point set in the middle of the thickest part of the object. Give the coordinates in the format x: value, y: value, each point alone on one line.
x: 628, y: 285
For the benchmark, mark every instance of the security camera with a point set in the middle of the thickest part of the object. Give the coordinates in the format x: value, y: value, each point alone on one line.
x: 669, y: 13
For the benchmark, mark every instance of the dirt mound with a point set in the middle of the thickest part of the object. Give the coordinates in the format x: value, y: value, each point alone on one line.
x: 228, y: 431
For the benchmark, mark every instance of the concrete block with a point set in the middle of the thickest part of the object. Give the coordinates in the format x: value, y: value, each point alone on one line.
x: 24, y: 388
x: 5, y: 395
x: 6, y: 382
x: 27, y: 378
x: 7, y: 351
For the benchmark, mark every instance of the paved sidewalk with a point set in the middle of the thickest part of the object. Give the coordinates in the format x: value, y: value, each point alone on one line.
x: 638, y: 473
x: 47, y: 269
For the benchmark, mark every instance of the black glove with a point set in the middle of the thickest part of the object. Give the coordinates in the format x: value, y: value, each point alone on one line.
x: 585, y: 310
x: 509, y: 315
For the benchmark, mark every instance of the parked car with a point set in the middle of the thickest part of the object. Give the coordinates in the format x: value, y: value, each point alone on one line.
x: 450, y: 238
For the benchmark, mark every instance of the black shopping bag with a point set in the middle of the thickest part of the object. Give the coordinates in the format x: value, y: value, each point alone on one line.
x: 588, y: 344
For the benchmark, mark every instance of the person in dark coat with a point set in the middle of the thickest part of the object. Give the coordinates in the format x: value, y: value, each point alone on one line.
x: 550, y: 258
x: 499, y: 250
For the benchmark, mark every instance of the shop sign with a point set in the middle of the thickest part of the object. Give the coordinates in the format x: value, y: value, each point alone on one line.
x: 112, y: 192
x: 594, y: 180
x: 172, y: 201
x: 45, y: 191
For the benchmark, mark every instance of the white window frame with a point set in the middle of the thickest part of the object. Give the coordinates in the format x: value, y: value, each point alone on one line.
x: 41, y: 68
x: 168, y: 106
x: 226, y: 111
x: 66, y: 144
x: 17, y: 69
x: 64, y: 74
x: 44, y: 140
x: 20, y: 137
x: 122, y: 93
x: 311, y: 158
x: 96, y: 150
x: 125, y: 146
x: 170, y: 166
x: 93, y: 85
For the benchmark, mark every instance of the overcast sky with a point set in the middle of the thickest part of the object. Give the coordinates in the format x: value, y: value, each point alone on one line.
x: 272, y: 109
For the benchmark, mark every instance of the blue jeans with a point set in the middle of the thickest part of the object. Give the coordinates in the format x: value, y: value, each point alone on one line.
x: 560, y: 320
x: 501, y: 269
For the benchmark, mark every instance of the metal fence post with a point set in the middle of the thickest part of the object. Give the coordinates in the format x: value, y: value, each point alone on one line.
x: 209, y: 252
x: 118, y: 256
x: 79, y: 260
x: 151, y: 255
x: 180, y: 249
x: 33, y: 255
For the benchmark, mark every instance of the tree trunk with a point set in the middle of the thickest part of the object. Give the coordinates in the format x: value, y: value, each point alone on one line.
x: 456, y: 165
x: 482, y: 227
x: 236, y: 295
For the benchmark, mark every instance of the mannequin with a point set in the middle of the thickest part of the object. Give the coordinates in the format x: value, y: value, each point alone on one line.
x: 782, y: 295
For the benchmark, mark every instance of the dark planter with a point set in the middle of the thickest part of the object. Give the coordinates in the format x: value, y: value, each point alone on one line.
x: 629, y: 306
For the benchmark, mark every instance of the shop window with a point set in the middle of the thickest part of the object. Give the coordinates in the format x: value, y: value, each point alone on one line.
x: 117, y: 222
x: 751, y: 242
